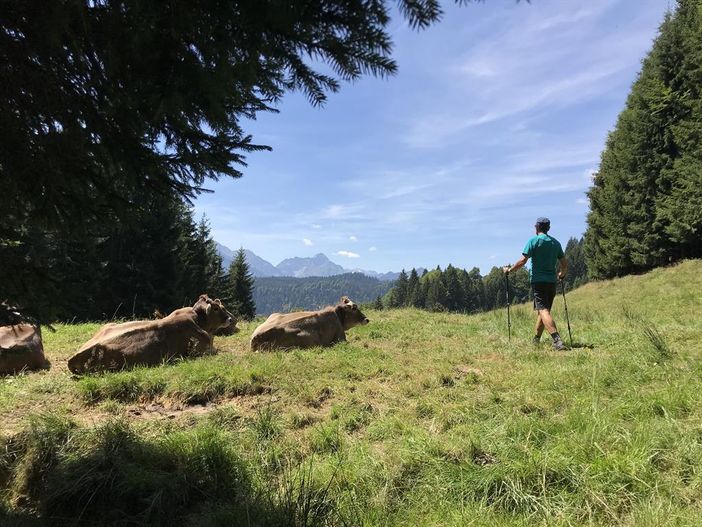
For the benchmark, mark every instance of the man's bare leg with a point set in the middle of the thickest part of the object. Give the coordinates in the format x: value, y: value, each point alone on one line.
x: 546, y: 320
x: 539, y: 328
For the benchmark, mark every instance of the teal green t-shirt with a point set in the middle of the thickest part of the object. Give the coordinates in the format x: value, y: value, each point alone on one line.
x: 544, y: 252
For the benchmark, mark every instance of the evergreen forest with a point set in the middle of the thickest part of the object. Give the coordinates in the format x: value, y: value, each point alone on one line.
x: 462, y: 291
x: 646, y: 199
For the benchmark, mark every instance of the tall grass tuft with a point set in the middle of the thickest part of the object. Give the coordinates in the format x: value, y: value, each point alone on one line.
x: 658, y: 342
x: 654, y: 337
x: 298, y: 500
x: 267, y: 423
x: 32, y: 454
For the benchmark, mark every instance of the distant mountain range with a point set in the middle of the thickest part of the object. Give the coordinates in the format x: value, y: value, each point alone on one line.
x: 318, y: 265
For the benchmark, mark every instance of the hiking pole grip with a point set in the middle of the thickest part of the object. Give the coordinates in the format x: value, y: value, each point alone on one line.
x: 565, y: 305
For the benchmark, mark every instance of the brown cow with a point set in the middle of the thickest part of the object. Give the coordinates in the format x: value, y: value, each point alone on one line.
x: 21, y: 348
x: 307, y: 329
x: 186, y: 332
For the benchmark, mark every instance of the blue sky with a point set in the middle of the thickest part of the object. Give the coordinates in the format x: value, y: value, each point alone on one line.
x: 498, y: 115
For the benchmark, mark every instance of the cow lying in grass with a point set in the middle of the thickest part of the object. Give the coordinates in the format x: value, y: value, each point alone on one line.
x: 21, y: 348
x: 307, y: 329
x: 186, y: 332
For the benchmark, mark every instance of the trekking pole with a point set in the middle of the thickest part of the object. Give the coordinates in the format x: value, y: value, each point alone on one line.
x: 570, y: 335
x: 509, y: 320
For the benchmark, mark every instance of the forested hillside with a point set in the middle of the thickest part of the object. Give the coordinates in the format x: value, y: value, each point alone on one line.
x: 463, y: 291
x: 115, y: 267
x: 278, y: 293
x: 646, y: 202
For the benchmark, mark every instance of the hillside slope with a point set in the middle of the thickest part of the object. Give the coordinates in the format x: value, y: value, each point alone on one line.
x: 420, y: 419
x: 280, y: 294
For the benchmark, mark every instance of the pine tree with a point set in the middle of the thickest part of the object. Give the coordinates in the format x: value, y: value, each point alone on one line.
x: 413, y: 289
x: 162, y: 112
x: 241, y: 283
x: 477, y: 290
x: 399, y: 297
x: 378, y: 304
x: 143, y: 260
x: 203, y: 265
x: 435, y: 295
x: 679, y: 201
x: 167, y: 106
x: 495, y: 286
x: 577, y: 267
x: 646, y: 200
x: 454, y: 292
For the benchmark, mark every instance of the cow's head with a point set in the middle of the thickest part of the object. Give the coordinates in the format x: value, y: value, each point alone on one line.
x: 211, y: 314
x: 349, y: 313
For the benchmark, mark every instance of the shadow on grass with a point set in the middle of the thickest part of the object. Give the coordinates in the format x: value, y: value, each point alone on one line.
x: 61, y: 475
x: 581, y: 345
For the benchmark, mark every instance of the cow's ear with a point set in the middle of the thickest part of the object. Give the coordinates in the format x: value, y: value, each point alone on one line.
x: 203, y: 296
x: 345, y: 299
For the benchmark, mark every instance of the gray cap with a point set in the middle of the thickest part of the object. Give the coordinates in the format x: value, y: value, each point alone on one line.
x: 543, y: 221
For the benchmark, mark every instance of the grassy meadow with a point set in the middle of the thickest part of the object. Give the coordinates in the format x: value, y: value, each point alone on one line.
x: 420, y: 418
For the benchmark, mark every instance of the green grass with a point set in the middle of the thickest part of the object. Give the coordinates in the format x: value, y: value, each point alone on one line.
x: 420, y: 419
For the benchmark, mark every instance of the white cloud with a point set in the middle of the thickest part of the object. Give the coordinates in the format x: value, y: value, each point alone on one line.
x: 517, y: 101
x: 348, y: 254
x: 353, y: 238
x: 307, y: 241
x: 343, y: 212
x: 540, y: 59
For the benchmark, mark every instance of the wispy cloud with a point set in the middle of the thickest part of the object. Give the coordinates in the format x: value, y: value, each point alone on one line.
x: 307, y: 242
x: 348, y: 254
x: 499, y: 115
x: 536, y: 62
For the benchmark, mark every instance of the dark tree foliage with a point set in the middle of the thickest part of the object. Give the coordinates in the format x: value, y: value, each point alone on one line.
x: 378, y: 303
x: 114, y: 268
x: 577, y: 266
x: 104, y: 101
x: 241, y: 287
x: 205, y: 273
x: 496, y: 287
x: 646, y: 201
x: 413, y: 290
x: 458, y: 290
x: 105, y: 97
x: 284, y: 293
x: 399, y: 297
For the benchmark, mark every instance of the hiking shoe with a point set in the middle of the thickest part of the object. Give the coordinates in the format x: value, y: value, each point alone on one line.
x: 536, y: 341
x: 558, y: 345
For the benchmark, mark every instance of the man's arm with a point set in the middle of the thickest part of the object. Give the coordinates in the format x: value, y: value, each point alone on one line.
x: 562, y: 268
x: 518, y: 265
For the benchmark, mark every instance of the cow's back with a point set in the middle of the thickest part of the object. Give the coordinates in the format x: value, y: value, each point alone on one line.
x: 145, y: 342
x: 302, y: 329
x: 21, y: 348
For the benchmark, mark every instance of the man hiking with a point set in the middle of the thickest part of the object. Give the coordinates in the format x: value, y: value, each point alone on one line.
x: 544, y: 251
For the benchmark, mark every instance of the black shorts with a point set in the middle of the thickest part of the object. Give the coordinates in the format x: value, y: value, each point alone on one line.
x: 544, y: 293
